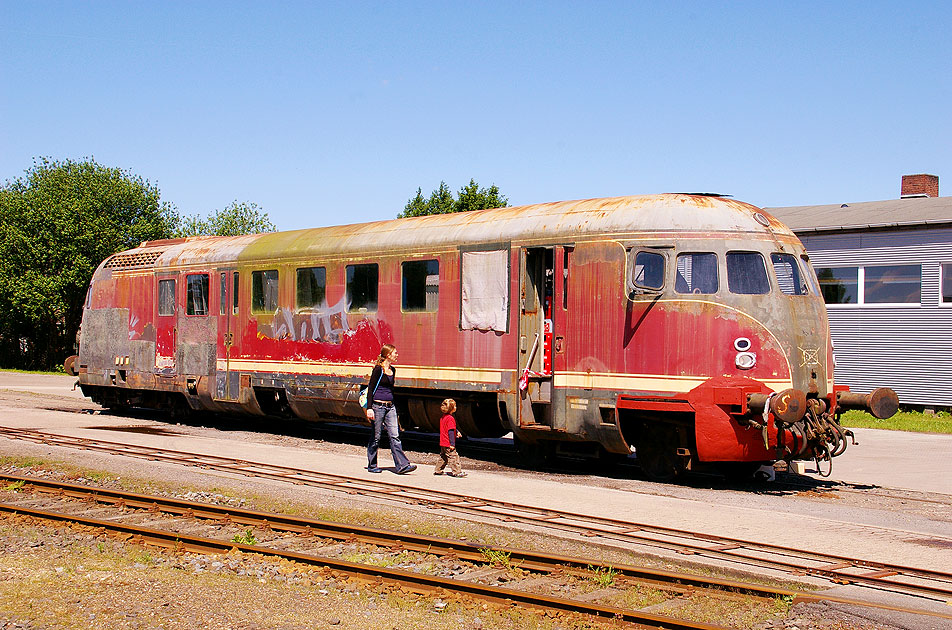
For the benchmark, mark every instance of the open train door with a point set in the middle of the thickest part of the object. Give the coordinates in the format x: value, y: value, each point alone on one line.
x: 537, y: 295
x: 226, y: 380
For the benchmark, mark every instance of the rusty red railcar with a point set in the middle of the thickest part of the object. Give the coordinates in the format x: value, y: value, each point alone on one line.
x: 687, y: 328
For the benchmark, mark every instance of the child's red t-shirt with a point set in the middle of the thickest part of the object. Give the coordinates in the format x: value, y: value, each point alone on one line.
x: 448, y: 430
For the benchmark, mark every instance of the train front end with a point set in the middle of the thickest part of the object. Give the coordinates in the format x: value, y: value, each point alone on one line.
x: 735, y: 320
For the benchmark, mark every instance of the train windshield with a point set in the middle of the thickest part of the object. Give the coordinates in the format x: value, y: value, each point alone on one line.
x: 747, y: 273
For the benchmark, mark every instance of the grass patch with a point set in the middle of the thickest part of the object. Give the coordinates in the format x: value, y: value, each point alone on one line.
x: 912, y: 421
x: 603, y: 577
x: 56, y: 372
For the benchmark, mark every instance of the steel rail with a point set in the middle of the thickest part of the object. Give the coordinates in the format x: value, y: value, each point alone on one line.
x: 466, y: 550
x: 524, y: 559
x: 832, y: 567
x: 406, y: 579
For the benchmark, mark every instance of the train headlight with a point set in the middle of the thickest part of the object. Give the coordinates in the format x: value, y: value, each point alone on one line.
x: 745, y: 360
x: 742, y: 344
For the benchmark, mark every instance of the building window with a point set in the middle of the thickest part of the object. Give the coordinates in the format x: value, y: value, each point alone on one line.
x: 264, y: 291
x: 893, y: 284
x: 788, y: 274
x: 421, y: 285
x: 362, y: 287
x: 697, y: 273
x: 167, y: 297
x: 946, y: 283
x: 747, y: 273
x: 840, y: 285
x: 196, y: 287
x: 311, y: 286
x: 879, y: 284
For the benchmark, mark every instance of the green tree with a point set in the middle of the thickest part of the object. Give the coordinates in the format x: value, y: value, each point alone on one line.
x: 234, y: 220
x: 441, y: 201
x: 57, y: 224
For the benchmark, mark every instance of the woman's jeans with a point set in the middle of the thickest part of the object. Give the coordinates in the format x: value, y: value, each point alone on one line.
x: 386, y: 416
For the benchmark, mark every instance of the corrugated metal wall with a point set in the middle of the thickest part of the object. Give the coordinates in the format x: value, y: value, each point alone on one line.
x: 908, y: 348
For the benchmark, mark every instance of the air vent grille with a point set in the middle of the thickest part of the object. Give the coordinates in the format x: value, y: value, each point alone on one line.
x: 138, y: 259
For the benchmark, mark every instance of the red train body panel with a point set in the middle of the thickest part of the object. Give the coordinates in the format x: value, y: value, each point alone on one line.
x: 669, y: 324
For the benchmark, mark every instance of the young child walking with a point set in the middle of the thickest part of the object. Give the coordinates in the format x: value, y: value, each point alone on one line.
x: 448, y: 435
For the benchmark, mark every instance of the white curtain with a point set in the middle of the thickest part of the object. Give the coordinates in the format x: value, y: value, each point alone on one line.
x: 484, y: 277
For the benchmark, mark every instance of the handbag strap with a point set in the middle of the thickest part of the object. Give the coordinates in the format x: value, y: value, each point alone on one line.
x: 371, y: 397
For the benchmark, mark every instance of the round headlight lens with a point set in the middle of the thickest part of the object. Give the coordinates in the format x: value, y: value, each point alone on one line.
x: 745, y: 360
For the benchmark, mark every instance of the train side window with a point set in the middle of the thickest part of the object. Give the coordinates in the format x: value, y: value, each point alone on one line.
x: 223, y: 294
x: 234, y: 293
x: 311, y: 287
x: 264, y: 291
x: 566, y: 256
x: 421, y: 285
x: 645, y: 271
x: 839, y: 285
x: 167, y: 297
x: 809, y: 274
x: 196, y: 292
x: 747, y: 273
x: 362, y: 287
x: 788, y: 274
x: 696, y: 273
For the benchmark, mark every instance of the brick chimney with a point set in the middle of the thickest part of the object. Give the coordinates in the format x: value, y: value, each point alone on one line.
x: 920, y: 186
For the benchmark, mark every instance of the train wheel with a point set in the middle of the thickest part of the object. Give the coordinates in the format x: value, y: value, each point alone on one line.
x: 657, y: 452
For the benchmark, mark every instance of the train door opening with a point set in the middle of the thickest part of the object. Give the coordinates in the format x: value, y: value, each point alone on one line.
x: 537, y: 287
x: 166, y: 323
x: 226, y: 380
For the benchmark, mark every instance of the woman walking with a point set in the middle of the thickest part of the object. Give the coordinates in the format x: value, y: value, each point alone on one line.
x: 383, y: 414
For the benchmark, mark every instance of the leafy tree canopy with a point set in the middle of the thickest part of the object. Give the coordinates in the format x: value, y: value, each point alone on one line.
x: 441, y: 200
x: 234, y: 220
x: 57, y: 223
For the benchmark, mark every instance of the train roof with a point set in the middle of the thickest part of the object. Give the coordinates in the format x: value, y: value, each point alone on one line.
x: 614, y: 217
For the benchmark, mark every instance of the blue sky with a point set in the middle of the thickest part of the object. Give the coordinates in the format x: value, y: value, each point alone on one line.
x: 325, y: 113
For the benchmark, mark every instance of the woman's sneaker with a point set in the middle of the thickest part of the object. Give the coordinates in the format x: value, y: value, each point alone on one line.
x: 409, y: 468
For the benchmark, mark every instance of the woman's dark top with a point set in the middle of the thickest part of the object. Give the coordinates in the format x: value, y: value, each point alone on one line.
x: 384, y: 389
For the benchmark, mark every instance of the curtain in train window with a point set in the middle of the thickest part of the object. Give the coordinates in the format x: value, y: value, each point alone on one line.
x: 697, y: 273
x: 484, y: 285
x: 167, y: 297
x: 747, y: 273
x: 196, y: 287
x: 264, y: 291
x: 788, y: 274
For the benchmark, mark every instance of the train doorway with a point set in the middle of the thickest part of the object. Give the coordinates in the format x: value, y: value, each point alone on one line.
x: 166, y: 323
x: 537, y: 295
x: 226, y: 380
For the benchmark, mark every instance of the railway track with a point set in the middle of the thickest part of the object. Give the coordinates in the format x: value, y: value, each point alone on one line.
x: 934, y: 585
x: 168, y: 523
